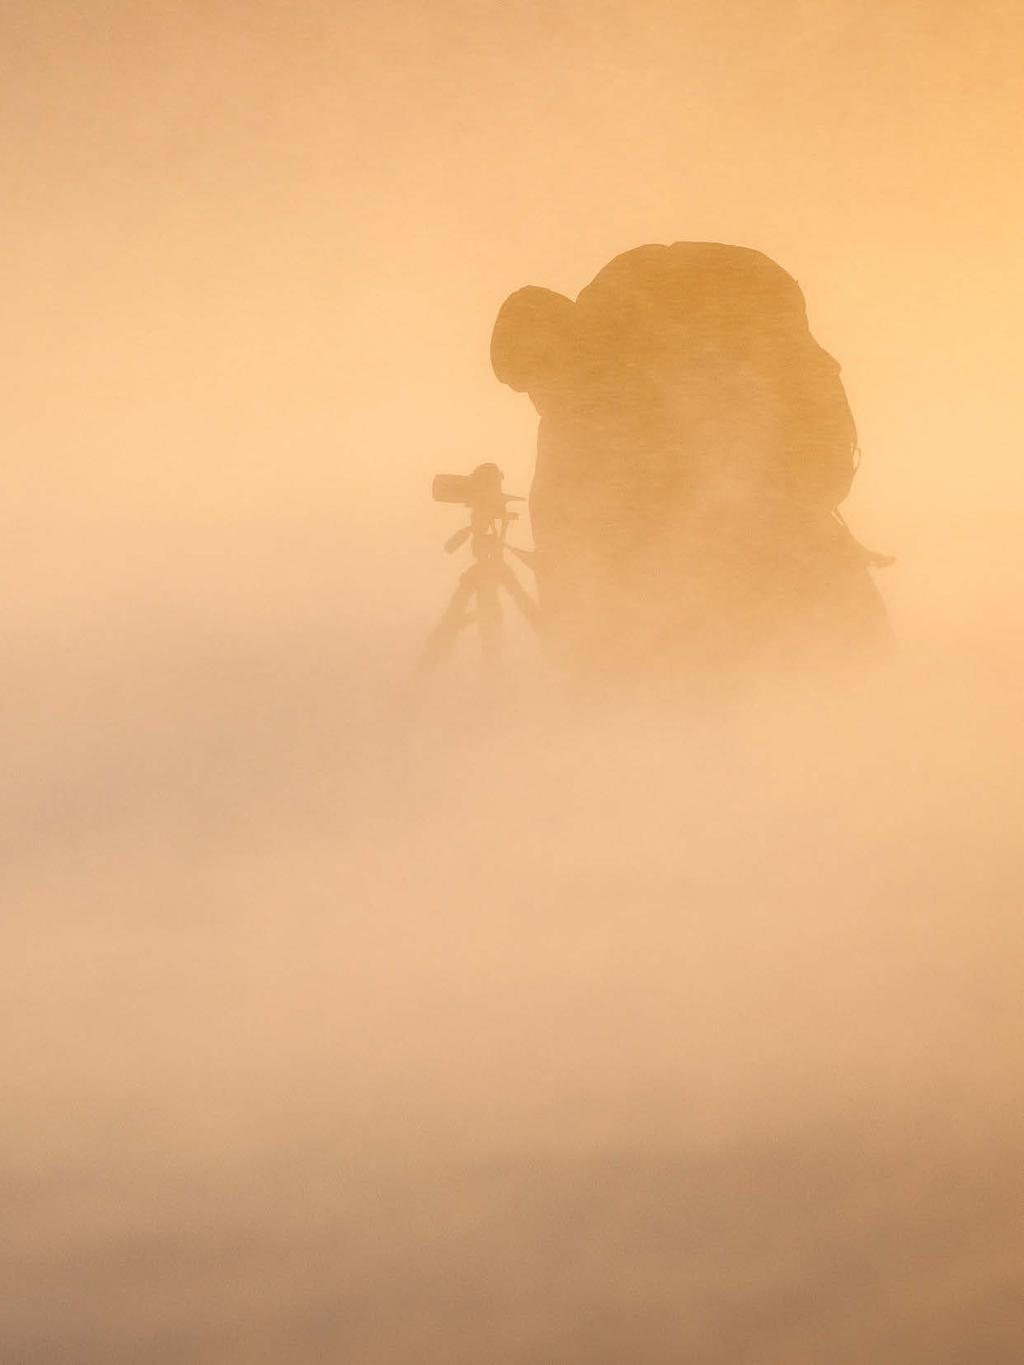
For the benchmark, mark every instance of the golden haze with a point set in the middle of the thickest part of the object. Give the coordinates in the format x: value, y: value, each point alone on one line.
x: 340, y: 1031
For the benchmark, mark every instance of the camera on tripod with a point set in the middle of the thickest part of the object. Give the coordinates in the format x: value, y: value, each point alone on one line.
x: 479, y: 491
x: 477, y: 598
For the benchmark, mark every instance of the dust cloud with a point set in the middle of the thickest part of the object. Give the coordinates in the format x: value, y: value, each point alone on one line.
x: 353, y: 1018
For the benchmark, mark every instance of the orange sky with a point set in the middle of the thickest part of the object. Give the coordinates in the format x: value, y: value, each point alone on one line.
x: 255, y: 248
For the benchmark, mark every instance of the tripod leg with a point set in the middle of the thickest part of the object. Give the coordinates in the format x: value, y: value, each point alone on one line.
x: 441, y: 640
x: 521, y: 597
x: 489, y: 608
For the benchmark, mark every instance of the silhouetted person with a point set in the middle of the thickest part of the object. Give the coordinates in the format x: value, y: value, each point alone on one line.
x: 694, y: 445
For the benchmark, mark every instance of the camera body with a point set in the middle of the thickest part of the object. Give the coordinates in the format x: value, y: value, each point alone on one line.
x: 479, y: 491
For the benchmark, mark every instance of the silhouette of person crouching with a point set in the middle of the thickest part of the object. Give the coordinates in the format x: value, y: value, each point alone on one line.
x: 694, y: 445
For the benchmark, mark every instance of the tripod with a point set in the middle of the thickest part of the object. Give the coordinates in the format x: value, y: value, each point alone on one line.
x: 482, y: 581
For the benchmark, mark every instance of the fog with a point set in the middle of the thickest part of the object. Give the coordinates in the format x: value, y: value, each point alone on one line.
x: 354, y: 1016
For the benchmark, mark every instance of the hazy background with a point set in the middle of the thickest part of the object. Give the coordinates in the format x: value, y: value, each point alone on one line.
x: 344, y: 1028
